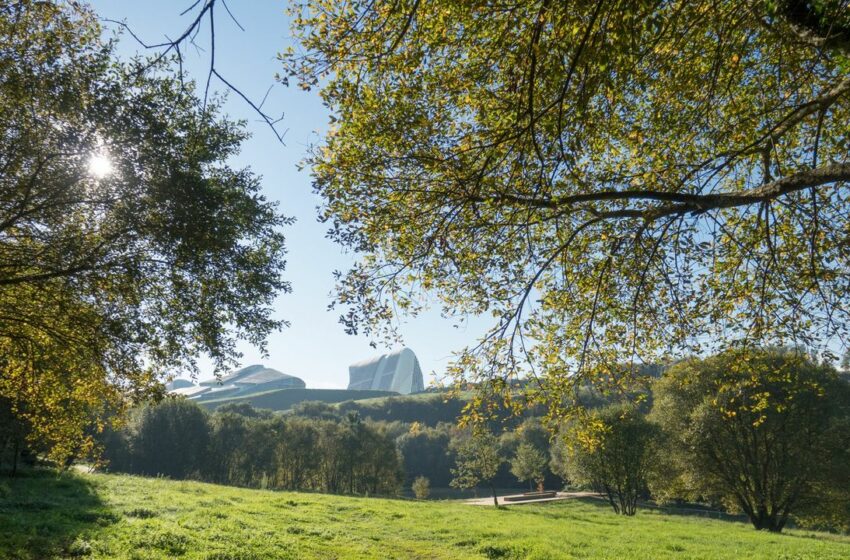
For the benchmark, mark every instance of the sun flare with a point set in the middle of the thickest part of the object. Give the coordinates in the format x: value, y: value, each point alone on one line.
x: 100, y: 166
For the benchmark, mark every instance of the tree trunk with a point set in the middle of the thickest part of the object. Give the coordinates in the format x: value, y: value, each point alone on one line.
x: 15, y: 452
x: 764, y: 521
x: 495, y: 500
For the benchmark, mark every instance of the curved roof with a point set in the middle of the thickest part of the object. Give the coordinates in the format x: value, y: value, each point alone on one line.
x: 251, y: 375
x: 397, y: 371
x: 191, y: 391
x: 178, y: 384
x: 376, y: 359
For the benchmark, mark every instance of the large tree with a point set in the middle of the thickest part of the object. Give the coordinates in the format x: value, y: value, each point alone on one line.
x: 609, y: 178
x: 765, y: 432
x: 612, y: 450
x: 128, y: 245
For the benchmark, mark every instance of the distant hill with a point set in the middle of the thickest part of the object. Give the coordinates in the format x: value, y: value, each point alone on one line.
x: 428, y: 408
x: 284, y: 399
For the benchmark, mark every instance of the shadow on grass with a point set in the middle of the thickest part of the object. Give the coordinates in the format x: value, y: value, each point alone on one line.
x: 791, y: 529
x: 554, y: 510
x: 46, y: 514
x: 601, y: 505
x: 694, y: 510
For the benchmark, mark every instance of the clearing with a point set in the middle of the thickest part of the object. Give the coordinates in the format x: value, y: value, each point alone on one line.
x: 49, y: 515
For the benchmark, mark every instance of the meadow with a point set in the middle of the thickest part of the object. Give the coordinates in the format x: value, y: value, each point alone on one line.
x: 73, y: 515
x: 284, y: 399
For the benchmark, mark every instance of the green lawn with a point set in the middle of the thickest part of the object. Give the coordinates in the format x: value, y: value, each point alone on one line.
x: 44, y: 515
x: 424, y: 396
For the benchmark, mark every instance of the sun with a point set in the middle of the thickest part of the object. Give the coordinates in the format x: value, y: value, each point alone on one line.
x: 100, y: 166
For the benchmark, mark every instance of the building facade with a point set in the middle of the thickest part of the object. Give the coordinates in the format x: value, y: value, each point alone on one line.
x: 397, y: 371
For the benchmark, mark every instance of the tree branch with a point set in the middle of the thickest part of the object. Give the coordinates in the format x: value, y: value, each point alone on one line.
x: 683, y: 202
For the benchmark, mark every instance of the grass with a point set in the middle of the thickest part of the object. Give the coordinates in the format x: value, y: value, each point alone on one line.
x: 44, y: 515
x: 424, y: 396
x: 284, y: 399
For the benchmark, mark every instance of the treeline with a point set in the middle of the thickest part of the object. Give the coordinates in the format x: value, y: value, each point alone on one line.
x: 429, y: 410
x: 317, y: 447
x: 241, y: 446
x: 763, y: 433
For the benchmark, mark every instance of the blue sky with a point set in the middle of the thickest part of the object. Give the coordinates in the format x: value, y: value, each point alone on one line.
x: 315, y: 347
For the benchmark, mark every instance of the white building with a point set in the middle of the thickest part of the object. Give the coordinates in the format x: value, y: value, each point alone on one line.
x: 397, y: 371
x: 246, y: 381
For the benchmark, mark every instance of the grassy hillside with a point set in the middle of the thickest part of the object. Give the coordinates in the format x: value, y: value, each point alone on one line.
x: 107, y: 516
x: 424, y: 396
x: 284, y: 399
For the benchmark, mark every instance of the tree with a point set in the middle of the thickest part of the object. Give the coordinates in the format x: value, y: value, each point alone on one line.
x: 421, y: 488
x: 381, y: 469
x: 529, y: 464
x: 477, y: 461
x: 129, y: 245
x: 609, y: 179
x: 425, y: 452
x: 226, y: 461
x: 763, y: 431
x: 297, y: 454
x: 611, y: 450
x: 13, y: 436
x: 171, y: 439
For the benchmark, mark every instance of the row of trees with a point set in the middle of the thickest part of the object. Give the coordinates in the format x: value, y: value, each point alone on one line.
x: 305, y: 450
x: 245, y: 447
x: 762, y: 433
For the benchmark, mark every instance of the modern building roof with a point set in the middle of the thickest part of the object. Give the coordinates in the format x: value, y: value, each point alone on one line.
x: 245, y: 381
x: 397, y: 371
x: 252, y: 375
x: 178, y: 384
x: 190, y: 392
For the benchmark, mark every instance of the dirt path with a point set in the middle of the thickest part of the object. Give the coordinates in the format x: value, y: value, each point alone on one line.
x: 488, y: 501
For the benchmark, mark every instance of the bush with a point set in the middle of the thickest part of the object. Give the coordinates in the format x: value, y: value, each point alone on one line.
x: 610, y: 450
x: 421, y: 488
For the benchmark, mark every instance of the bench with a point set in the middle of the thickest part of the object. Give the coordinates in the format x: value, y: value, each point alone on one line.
x: 530, y: 496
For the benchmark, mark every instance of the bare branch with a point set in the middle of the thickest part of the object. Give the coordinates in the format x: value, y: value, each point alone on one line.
x: 207, y: 10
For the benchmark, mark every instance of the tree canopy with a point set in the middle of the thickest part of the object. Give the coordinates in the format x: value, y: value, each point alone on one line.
x: 613, y: 451
x: 129, y: 246
x: 764, y: 432
x: 605, y: 178
x: 529, y: 464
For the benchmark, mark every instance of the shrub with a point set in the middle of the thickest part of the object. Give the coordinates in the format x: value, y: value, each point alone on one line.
x: 421, y: 488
